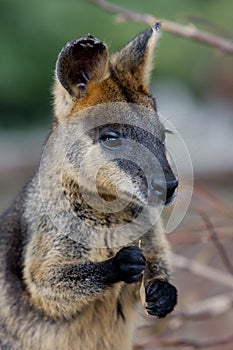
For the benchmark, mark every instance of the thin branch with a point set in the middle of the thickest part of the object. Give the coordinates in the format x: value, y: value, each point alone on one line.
x: 202, y: 270
x: 204, y: 194
x: 191, y: 235
x: 218, y: 29
x: 206, y: 308
x: 214, y: 237
x: 188, y: 31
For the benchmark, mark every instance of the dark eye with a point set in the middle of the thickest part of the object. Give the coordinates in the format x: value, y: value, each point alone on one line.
x: 111, y: 139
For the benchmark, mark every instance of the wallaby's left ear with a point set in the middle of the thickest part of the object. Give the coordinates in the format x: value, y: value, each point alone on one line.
x: 133, y: 64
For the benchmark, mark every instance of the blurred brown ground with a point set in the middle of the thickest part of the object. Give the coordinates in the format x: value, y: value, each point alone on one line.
x: 192, y: 239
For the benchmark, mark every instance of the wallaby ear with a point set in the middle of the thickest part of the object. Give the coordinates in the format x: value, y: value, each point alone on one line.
x: 80, y: 63
x: 133, y: 64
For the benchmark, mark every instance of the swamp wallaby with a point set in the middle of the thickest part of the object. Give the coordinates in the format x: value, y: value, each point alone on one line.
x: 71, y: 265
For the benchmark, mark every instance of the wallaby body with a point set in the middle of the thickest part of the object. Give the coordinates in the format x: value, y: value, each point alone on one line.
x: 67, y: 281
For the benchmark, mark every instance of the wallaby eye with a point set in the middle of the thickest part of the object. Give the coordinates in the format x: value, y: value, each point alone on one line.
x: 111, y: 139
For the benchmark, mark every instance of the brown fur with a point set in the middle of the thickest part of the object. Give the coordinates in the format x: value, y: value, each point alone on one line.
x: 52, y: 295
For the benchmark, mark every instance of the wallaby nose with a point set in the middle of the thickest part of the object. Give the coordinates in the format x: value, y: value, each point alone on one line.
x: 164, y: 190
x: 171, y: 187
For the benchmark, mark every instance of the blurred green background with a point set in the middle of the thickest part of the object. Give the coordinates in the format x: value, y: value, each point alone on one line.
x: 33, y: 32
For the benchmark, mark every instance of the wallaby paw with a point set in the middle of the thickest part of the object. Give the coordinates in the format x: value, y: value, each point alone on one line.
x: 130, y: 263
x: 79, y: 62
x: 161, y: 298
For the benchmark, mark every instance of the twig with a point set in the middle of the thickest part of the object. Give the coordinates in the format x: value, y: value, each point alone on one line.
x: 216, y: 241
x: 202, y: 270
x: 204, y: 194
x: 206, y: 308
x: 188, y: 31
x: 218, y: 29
x: 191, y: 235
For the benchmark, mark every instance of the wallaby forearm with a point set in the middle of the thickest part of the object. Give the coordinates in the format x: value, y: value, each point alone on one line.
x: 155, y: 248
x: 81, y: 282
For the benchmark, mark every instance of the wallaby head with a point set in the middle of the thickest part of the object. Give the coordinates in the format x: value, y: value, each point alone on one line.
x: 116, y: 140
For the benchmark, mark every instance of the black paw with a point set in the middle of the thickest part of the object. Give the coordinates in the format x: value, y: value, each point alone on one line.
x: 130, y: 263
x: 79, y: 62
x: 161, y: 298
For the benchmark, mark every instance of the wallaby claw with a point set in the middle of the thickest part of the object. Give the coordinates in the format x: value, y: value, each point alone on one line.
x: 130, y: 263
x: 161, y: 298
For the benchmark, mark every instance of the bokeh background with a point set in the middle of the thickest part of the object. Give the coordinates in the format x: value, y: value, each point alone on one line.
x: 193, y: 84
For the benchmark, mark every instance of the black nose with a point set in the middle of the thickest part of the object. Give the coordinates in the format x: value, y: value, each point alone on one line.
x: 164, y: 190
x: 171, y: 187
